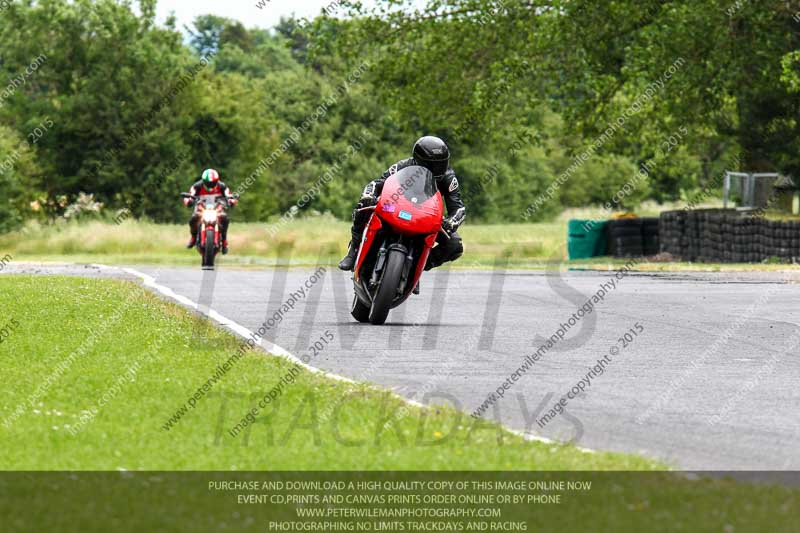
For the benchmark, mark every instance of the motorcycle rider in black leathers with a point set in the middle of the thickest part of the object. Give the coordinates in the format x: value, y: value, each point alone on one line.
x: 433, y: 154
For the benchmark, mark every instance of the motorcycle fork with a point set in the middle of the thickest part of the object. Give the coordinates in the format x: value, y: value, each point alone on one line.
x: 379, y: 262
x: 407, y: 268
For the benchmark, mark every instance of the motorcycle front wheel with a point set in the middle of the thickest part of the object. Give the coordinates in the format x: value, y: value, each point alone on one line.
x: 208, y: 252
x: 387, y: 290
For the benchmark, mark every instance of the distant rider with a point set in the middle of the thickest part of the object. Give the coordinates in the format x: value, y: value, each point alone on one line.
x: 207, y: 185
x: 433, y: 154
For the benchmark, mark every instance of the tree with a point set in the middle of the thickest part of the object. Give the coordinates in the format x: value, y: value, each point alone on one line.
x: 17, y: 169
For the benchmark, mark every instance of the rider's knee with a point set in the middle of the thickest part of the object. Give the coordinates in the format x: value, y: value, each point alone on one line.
x: 455, y: 248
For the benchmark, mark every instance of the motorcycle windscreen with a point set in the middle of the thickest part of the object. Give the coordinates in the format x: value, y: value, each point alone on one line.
x: 208, y: 200
x: 410, y: 202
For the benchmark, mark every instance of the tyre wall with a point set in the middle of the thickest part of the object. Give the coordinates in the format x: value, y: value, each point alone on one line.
x: 727, y: 236
x: 633, y: 237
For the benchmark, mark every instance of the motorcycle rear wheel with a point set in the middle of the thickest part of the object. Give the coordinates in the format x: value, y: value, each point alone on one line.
x: 387, y: 290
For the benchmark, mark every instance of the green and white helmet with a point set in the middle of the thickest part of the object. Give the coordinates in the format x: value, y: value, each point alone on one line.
x: 210, y: 177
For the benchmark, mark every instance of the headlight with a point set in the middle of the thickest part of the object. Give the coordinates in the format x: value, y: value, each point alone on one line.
x: 209, y: 216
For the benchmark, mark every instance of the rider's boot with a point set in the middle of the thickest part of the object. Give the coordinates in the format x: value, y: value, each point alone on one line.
x: 223, y: 237
x: 416, y: 288
x: 349, y: 260
x: 192, y: 241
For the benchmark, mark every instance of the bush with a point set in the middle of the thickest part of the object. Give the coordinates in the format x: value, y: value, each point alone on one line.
x: 17, y: 168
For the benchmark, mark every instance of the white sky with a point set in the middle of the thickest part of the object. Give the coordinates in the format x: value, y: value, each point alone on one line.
x: 244, y: 11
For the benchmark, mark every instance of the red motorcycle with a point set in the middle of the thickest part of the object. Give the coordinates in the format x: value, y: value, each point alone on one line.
x: 396, y: 243
x: 209, y: 242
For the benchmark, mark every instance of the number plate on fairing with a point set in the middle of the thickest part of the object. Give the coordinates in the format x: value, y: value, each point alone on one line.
x: 405, y: 215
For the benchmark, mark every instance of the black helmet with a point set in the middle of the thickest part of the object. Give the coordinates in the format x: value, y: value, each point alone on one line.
x: 433, y: 154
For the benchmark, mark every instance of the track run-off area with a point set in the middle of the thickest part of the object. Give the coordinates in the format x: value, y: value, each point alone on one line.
x: 695, y: 369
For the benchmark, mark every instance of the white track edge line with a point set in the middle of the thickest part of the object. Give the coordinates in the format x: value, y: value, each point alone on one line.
x: 274, y: 349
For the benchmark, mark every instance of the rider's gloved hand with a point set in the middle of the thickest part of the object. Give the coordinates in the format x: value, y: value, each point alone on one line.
x: 188, y: 201
x: 452, y: 223
x: 448, y: 226
x: 233, y: 201
x: 366, y: 201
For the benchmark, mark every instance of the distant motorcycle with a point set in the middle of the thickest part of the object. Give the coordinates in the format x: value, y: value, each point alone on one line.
x: 209, y: 242
x: 396, y: 243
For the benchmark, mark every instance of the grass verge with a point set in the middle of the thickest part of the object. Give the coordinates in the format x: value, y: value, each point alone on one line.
x: 306, y: 241
x: 320, y: 240
x: 140, y: 358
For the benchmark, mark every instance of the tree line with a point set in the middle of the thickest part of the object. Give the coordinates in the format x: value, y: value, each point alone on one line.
x: 97, y: 98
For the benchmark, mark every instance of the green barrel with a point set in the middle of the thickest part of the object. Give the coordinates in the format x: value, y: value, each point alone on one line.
x: 586, y: 238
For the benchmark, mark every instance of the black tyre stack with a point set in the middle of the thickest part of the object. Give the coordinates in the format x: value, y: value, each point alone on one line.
x: 786, y: 237
x: 795, y: 240
x: 694, y: 247
x: 625, y: 237
x: 763, y: 238
x: 711, y: 246
x: 746, y: 231
x: 728, y: 236
x: 672, y: 232
x: 651, y: 236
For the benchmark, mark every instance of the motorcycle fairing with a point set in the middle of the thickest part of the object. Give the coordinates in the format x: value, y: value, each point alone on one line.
x: 411, y: 205
x: 410, y: 202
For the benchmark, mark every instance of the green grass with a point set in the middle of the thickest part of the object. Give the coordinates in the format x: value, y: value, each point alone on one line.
x: 154, y: 355
x: 122, y: 327
x: 316, y: 240
x: 305, y: 241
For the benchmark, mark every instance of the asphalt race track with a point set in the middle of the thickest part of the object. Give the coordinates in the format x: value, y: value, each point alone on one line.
x: 710, y: 344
